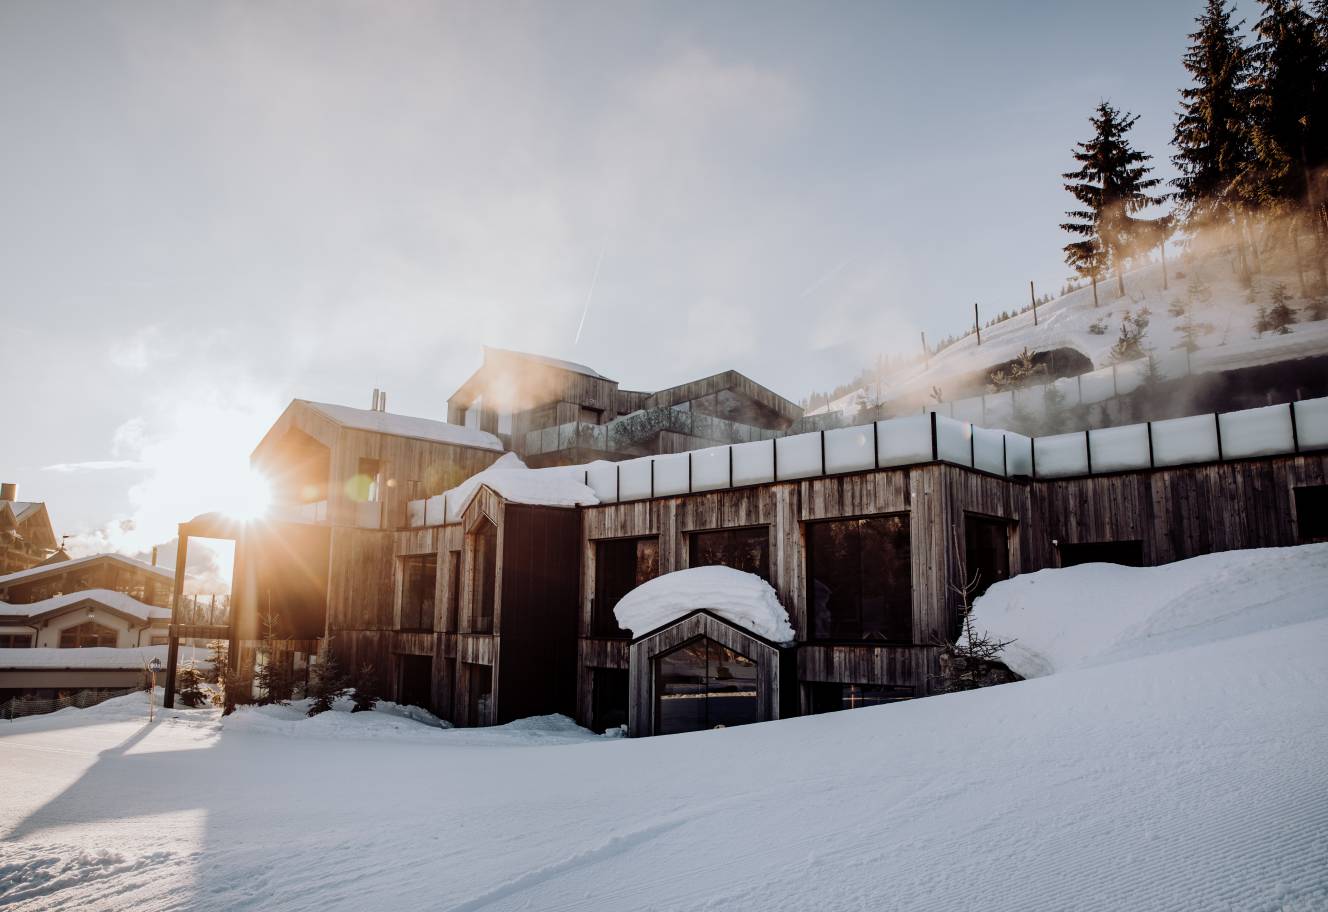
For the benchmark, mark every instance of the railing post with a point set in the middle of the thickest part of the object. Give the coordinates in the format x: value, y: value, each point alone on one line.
x: 1295, y: 433
x: 1217, y: 426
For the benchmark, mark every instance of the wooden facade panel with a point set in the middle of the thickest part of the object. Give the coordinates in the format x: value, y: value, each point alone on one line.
x: 361, y: 581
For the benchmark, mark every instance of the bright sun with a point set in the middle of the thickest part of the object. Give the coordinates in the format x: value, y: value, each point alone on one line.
x: 251, y: 497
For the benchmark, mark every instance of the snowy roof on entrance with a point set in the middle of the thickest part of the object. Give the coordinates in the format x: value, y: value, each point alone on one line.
x: 743, y: 599
x: 89, y: 657
x: 545, y: 359
x: 558, y: 486
x: 66, y: 566
x: 406, y: 426
x: 116, y: 601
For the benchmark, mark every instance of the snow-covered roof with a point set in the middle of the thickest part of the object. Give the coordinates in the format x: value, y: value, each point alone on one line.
x: 88, y: 657
x: 1062, y: 619
x: 545, y: 359
x: 116, y: 601
x: 406, y: 426
x: 66, y: 566
x: 743, y: 599
x: 557, y: 486
x: 21, y: 508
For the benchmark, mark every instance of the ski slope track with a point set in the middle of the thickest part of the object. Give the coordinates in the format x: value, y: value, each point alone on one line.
x: 1190, y: 775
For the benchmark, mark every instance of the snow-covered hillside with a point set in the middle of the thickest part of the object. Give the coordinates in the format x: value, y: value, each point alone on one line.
x: 1227, y: 317
x: 1192, y: 778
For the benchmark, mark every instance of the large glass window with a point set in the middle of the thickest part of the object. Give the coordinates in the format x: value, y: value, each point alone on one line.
x: 860, y: 580
x: 832, y: 697
x: 986, y: 552
x: 621, y: 564
x: 419, y: 580
x: 742, y: 549
x: 89, y: 633
x: 703, y: 685
x: 1312, y: 513
x: 479, y: 692
x: 15, y: 641
x: 484, y: 576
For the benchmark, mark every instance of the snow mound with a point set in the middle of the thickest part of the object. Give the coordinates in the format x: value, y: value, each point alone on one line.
x: 558, y: 486
x: 741, y: 598
x: 1095, y: 614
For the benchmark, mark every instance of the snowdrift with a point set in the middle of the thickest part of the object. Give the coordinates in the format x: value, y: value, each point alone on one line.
x: 1076, y: 617
x: 741, y: 598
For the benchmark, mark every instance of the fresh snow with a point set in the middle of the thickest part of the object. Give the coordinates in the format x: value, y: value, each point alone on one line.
x: 1077, y: 617
x: 89, y: 657
x: 1188, y: 779
x: 741, y: 598
x: 558, y: 486
x: 120, y: 601
x: 407, y: 426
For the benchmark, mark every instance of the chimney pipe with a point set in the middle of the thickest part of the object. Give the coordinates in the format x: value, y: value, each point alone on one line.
x: 382, y: 400
x: 374, y: 406
x: 9, y: 490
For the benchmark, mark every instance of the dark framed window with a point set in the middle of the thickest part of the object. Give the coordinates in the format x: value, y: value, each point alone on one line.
x: 1312, y: 513
x: 89, y: 633
x: 742, y: 549
x: 608, y: 693
x: 832, y: 697
x: 415, y: 687
x: 419, y: 580
x: 701, y: 685
x: 860, y: 579
x: 986, y: 552
x: 365, y: 485
x: 1128, y: 553
x: 15, y: 641
x: 621, y: 564
x: 453, y: 589
x: 484, y: 576
x: 479, y: 692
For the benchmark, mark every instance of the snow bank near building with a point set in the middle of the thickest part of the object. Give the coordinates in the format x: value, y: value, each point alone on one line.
x: 742, y: 598
x: 1076, y: 617
x: 558, y: 486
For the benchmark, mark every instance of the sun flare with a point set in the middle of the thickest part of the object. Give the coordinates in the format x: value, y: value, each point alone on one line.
x: 251, y: 497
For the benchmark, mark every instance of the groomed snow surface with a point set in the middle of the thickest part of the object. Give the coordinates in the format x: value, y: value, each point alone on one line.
x: 741, y: 598
x: 1183, y: 766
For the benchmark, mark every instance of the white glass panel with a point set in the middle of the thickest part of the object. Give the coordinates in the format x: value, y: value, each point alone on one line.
x: 753, y: 462
x: 1181, y: 440
x: 798, y: 456
x: 1119, y: 448
x: 1062, y: 454
x: 850, y: 449
x: 634, y: 479
x: 1256, y: 432
x: 1312, y: 423
x: 710, y: 469
x: 1018, y: 454
x: 952, y: 440
x: 1096, y: 386
x: 415, y: 513
x: 671, y: 474
x: 968, y: 409
x: 904, y: 441
x: 603, y: 480
x: 989, y: 450
x: 1068, y: 387
x: 1130, y: 375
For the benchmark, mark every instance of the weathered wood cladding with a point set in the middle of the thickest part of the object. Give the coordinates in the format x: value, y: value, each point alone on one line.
x: 527, y: 385
x: 641, y: 682
x: 748, y: 401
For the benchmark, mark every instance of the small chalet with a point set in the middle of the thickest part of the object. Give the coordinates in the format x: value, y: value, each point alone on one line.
x: 26, y: 536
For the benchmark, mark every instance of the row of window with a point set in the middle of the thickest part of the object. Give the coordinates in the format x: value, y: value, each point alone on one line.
x: 419, y: 582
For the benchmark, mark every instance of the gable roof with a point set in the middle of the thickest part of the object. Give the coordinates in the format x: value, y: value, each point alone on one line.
x: 545, y: 360
x: 405, y: 426
x: 21, y: 508
x: 65, y: 566
x: 119, y: 603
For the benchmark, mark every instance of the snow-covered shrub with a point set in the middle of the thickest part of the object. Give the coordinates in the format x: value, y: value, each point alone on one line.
x: 189, y: 685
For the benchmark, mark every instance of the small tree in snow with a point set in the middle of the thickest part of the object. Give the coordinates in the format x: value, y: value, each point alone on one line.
x: 327, y: 684
x: 1317, y: 308
x: 1198, y: 290
x: 275, y: 682
x: 1129, y: 345
x: 365, y: 696
x: 972, y: 661
x: 1018, y: 373
x: 189, y: 685
x: 1280, y: 315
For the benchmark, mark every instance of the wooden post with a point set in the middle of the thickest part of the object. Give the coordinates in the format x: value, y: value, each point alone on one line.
x: 926, y: 355
x: 173, y: 649
x: 1033, y: 298
x: 977, y: 327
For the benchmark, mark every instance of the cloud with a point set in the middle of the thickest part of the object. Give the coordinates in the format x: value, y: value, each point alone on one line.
x: 95, y: 465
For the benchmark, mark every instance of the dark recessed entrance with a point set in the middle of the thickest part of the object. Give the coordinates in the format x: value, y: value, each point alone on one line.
x: 704, y: 685
x: 416, y: 681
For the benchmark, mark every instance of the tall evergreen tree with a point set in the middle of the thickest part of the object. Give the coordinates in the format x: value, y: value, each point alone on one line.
x: 1112, y: 184
x: 1211, y: 136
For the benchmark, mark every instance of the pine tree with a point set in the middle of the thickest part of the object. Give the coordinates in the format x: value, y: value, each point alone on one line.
x: 1261, y: 322
x: 1129, y: 345
x: 365, y: 696
x: 1198, y: 290
x: 327, y: 684
x: 189, y: 685
x: 1112, y: 184
x: 1211, y: 136
x: 973, y: 660
x: 1019, y: 373
x: 1280, y: 315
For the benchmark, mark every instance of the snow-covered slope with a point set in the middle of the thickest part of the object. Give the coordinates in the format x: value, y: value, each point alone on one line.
x: 1066, y: 323
x: 1190, y: 779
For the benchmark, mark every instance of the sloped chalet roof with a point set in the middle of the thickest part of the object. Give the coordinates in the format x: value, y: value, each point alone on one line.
x: 408, y: 426
x: 31, y: 514
x: 118, y: 603
x: 43, y: 570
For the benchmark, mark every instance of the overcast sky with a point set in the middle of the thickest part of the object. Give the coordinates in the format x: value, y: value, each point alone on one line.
x: 209, y: 208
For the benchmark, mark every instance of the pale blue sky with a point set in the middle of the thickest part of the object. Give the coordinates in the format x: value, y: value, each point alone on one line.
x: 211, y: 208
